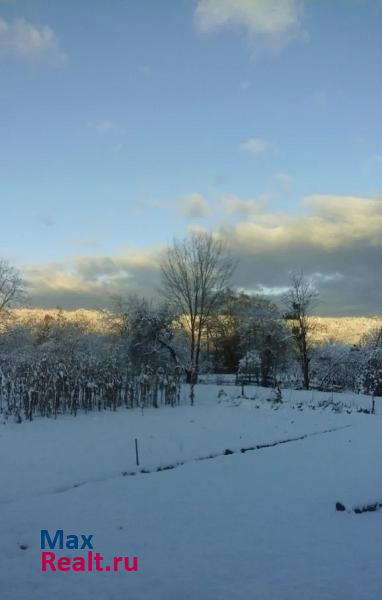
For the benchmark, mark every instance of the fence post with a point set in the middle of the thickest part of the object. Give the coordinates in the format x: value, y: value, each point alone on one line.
x: 136, y: 452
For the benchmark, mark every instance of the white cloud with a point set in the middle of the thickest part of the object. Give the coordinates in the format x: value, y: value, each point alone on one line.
x: 105, y: 126
x: 244, y: 207
x: 26, y: 41
x: 194, y: 206
x: 273, y: 23
x: 255, y: 145
x: 276, y: 290
x: 318, y: 277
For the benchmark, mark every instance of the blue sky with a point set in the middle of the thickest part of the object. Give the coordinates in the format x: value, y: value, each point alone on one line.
x: 125, y: 123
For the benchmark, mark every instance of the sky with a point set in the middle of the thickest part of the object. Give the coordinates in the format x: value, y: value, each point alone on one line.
x: 126, y: 123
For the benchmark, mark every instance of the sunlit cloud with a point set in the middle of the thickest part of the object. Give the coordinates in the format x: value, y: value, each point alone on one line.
x: 93, y: 281
x: 335, y: 240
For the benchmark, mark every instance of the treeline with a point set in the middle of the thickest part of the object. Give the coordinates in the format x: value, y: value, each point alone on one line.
x: 60, y: 365
x: 146, y: 349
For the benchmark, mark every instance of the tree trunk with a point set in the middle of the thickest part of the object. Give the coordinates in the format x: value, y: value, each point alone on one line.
x: 305, y: 370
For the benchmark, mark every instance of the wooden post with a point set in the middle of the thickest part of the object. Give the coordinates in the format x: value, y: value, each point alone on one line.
x: 136, y: 452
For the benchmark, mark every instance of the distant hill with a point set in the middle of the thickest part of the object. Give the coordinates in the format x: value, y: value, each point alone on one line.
x: 341, y: 329
x: 344, y: 329
x: 94, y: 319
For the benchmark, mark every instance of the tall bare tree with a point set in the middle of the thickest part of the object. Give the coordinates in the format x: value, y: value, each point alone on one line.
x: 299, y: 302
x: 11, y: 290
x: 195, y: 274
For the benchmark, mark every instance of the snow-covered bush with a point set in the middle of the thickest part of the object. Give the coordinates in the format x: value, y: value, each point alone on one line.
x: 336, y: 366
x: 371, y: 374
x: 59, y: 367
x: 249, y: 367
x: 147, y: 333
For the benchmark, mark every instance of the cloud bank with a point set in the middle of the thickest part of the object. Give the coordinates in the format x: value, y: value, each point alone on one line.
x: 336, y: 240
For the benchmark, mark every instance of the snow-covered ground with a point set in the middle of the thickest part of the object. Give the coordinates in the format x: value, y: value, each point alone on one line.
x: 253, y: 525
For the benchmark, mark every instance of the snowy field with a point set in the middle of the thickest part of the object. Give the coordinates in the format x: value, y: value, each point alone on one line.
x: 256, y: 524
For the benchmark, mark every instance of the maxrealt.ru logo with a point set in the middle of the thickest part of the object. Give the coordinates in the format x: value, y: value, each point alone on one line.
x: 86, y: 561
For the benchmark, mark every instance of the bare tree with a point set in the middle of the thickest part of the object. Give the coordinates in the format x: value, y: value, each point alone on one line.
x: 195, y: 275
x: 11, y: 290
x: 299, y: 302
